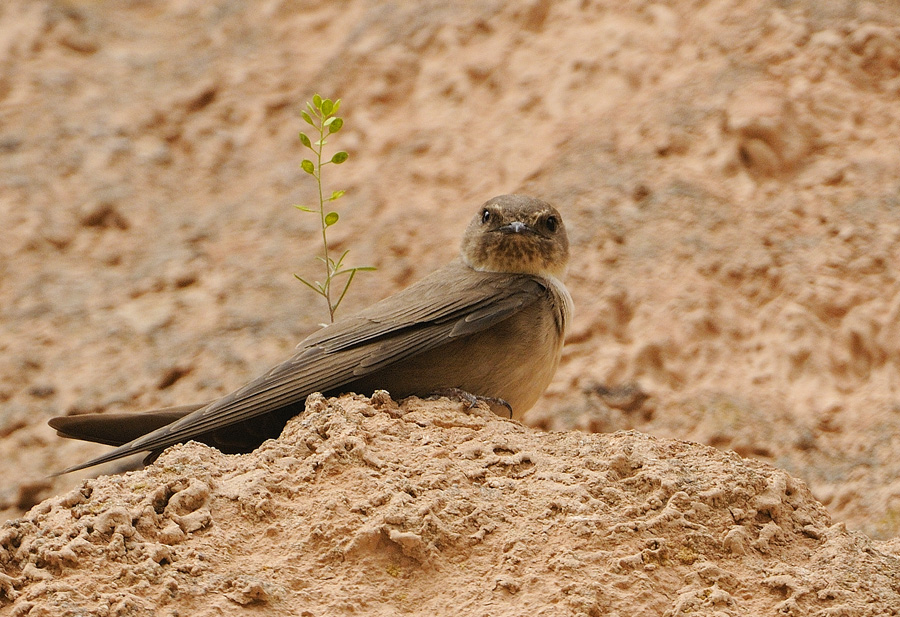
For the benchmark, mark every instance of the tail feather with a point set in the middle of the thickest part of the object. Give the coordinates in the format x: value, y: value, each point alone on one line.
x: 115, y: 429
x: 123, y: 428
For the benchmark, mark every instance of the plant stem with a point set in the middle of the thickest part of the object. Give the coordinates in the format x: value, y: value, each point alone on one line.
x: 327, y: 260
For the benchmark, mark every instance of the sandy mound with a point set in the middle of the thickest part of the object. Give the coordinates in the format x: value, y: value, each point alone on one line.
x: 369, y: 508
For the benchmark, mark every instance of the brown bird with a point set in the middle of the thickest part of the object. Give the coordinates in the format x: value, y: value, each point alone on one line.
x: 490, y: 324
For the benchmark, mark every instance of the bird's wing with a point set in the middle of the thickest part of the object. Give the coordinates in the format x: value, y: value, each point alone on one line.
x: 448, y: 294
x: 452, y: 302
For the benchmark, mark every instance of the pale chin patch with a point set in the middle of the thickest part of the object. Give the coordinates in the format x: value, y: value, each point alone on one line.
x: 534, y: 267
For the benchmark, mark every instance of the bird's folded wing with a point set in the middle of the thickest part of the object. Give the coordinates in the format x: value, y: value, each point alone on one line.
x: 449, y: 294
x: 411, y: 322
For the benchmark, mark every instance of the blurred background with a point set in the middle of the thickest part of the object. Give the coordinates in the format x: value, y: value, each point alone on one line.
x: 728, y: 171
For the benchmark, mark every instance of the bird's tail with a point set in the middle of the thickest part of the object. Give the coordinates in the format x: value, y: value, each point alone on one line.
x: 115, y: 429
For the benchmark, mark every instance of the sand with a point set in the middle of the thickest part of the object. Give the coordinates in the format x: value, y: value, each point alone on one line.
x: 367, y: 507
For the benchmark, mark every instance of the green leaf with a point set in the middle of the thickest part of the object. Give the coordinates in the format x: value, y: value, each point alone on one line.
x: 336, y: 195
x: 340, y: 260
x: 337, y: 105
x: 306, y: 117
x: 339, y: 157
x: 356, y: 269
x: 305, y: 140
x: 331, y: 218
x: 320, y: 142
x: 335, y: 126
x: 305, y: 208
x: 317, y: 101
x: 308, y: 284
x: 346, y: 287
x: 327, y: 107
x: 308, y: 167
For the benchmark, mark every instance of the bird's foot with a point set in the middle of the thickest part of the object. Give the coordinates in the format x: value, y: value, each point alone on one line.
x: 470, y: 399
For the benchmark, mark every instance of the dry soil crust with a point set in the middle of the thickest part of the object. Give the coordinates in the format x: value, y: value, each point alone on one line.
x: 367, y: 507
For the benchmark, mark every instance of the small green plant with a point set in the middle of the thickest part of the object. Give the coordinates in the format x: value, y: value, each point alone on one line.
x: 322, y: 116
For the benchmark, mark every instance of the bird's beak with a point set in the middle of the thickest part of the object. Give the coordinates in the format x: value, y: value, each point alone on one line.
x: 516, y: 227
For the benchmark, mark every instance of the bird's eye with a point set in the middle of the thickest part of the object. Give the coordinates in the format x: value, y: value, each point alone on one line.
x: 552, y: 223
x: 485, y: 216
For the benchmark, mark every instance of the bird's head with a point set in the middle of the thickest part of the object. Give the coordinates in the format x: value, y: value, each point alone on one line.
x: 517, y: 234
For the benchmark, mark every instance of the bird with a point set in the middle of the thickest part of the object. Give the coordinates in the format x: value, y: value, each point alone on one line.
x: 488, y: 325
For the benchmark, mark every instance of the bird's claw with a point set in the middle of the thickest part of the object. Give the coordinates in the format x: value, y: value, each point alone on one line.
x: 471, y: 399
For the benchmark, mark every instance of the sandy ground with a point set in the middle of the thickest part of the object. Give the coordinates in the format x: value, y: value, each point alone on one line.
x: 423, y: 509
x: 730, y: 176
